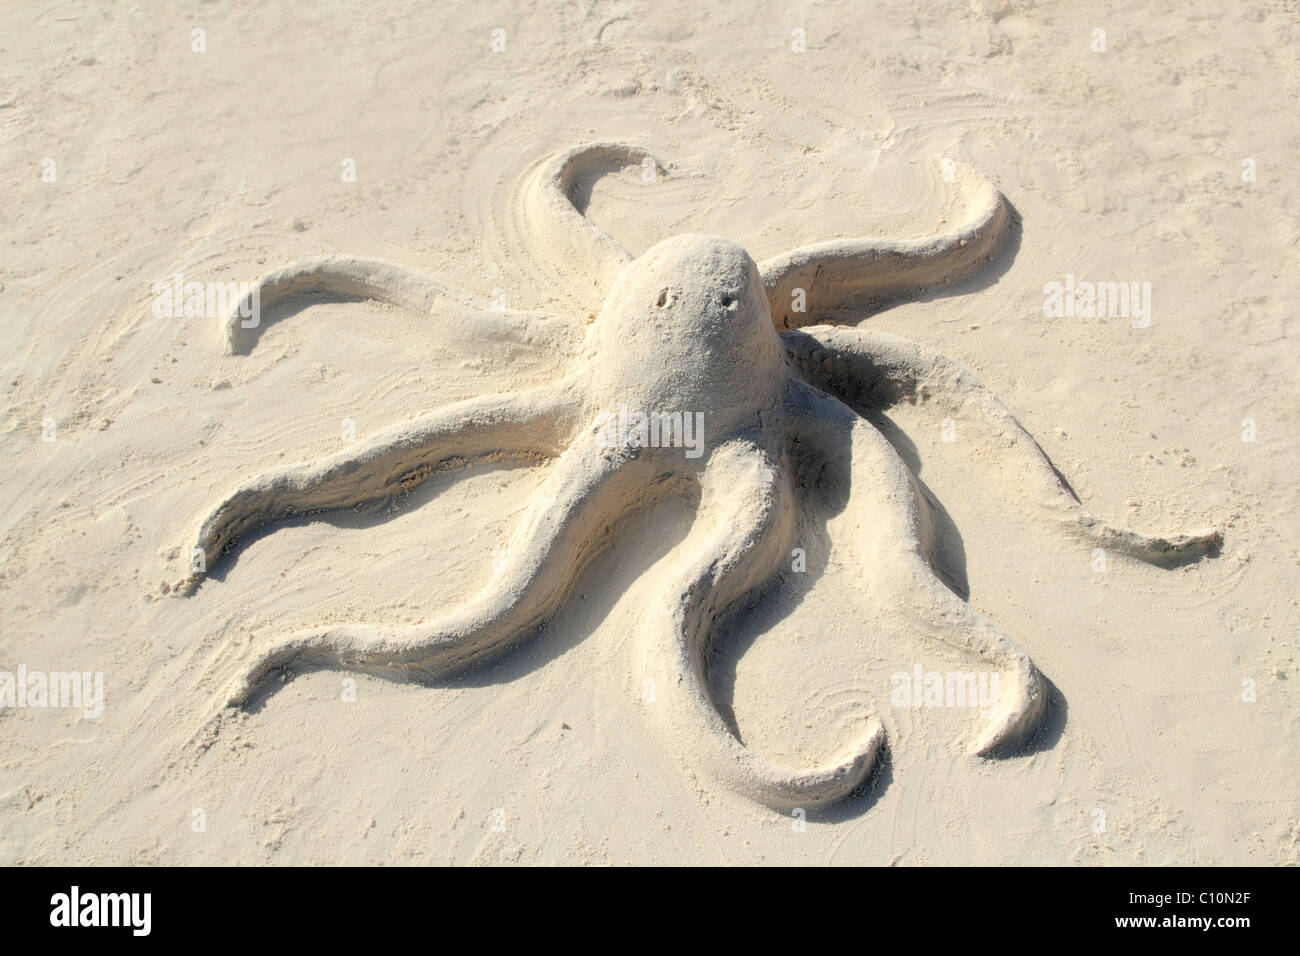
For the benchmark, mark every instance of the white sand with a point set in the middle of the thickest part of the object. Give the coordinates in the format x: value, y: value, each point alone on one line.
x: 1124, y: 165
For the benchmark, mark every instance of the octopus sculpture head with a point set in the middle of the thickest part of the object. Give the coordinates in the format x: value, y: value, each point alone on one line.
x: 691, y: 331
x: 686, y: 328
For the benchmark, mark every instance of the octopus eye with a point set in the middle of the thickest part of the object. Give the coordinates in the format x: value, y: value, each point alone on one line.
x: 663, y: 298
x: 729, y: 303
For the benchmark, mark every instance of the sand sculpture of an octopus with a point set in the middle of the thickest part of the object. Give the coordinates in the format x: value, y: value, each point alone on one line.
x: 691, y: 326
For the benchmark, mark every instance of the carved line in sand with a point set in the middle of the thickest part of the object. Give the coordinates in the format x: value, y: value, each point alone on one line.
x: 693, y: 325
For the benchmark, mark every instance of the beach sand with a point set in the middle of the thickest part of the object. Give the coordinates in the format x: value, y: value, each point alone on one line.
x: 137, y: 149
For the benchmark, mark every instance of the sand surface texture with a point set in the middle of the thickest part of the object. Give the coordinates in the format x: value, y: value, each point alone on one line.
x: 985, y: 551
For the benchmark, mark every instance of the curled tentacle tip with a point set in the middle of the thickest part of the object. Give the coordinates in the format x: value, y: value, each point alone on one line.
x: 821, y: 786
x: 1015, y: 722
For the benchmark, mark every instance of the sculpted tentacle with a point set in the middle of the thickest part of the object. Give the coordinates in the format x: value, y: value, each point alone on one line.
x: 880, y: 370
x: 361, y: 278
x: 743, y: 529
x: 536, y: 422
x: 839, y: 273
x: 572, y: 518
x: 556, y: 213
x: 885, y: 506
